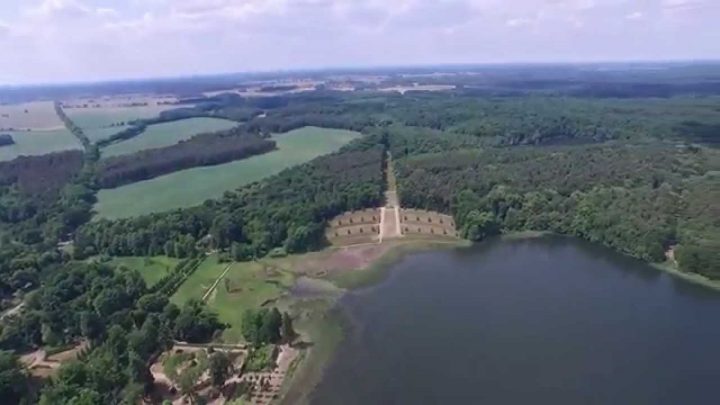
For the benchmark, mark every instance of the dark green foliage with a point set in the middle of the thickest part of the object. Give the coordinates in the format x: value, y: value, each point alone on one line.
x: 262, y: 327
x: 261, y: 358
x: 288, y: 210
x: 37, y: 175
x: 13, y: 379
x: 6, y: 140
x: 287, y: 330
x: 627, y: 196
x: 220, y: 368
x: 195, y: 323
x: 200, y: 150
x: 136, y: 326
x: 70, y: 125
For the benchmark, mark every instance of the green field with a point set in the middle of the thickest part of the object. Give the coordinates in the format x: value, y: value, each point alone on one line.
x: 193, y: 186
x: 152, y: 269
x: 168, y: 133
x: 103, y: 117
x: 35, y: 116
x: 38, y: 143
x: 246, y: 285
x: 98, y: 134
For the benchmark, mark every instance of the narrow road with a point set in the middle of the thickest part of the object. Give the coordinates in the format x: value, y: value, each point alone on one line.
x: 212, y: 288
x: 390, y: 213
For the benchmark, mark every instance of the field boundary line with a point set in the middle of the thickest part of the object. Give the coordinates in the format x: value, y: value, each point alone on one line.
x: 212, y: 288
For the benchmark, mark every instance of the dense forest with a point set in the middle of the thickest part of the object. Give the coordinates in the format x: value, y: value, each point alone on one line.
x: 119, y: 322
x: 41, y: 174
x: 287, y: 211
x: 629, y: 197
x: 200, y: 150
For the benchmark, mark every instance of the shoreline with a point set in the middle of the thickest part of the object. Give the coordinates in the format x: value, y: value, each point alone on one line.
x: 327, y: 326
x: 694, y: 278
x: 666, y: 267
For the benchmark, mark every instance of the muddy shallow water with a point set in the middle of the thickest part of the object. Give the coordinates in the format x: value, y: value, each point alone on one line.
x: 549, y: 320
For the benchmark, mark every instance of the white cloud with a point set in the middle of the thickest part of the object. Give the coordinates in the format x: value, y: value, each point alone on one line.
x: 518, y: 22
x: 96, y: 39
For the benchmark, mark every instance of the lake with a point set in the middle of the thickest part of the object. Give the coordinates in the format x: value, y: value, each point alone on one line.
x: 550, y: 320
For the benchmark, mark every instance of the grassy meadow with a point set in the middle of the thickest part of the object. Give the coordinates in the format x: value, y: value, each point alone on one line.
x: 152, y: 269
x: 103, y: 117
x: 246, y: 285
x: 190, y: 187
x: 38, y: 115
x: 33, y: 143
x: 98, y: 134
x: 168, y: 133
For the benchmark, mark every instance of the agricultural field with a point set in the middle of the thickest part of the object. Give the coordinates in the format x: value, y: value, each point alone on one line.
x: 168, y: 133
x: 33, y: 143
x: 99, y: 134
x: 103, y: 117
x: 193, y: 186
x: 246, y: 285
x: 36, y: 116
x: 152, y: 269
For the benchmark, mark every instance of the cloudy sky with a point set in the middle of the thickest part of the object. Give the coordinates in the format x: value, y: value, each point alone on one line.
x: 87, y: 40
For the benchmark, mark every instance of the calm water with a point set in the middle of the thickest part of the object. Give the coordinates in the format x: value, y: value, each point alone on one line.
x: 546, y: 321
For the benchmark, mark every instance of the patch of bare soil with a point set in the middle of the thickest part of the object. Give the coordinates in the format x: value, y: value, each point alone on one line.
x: 348, y: 258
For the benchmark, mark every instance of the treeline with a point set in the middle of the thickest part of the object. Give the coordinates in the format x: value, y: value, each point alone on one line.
x: 6, y: 140
x: 42, y: 200
x: 628, y: 197
x: 200, y: 150
x: 70, y: 125
x: 41, y: 174
x: 227, y: 106
x: 287, y: 211
x: 113, y: 312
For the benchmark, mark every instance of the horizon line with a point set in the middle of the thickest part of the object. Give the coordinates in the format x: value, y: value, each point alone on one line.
x: 354, y: 69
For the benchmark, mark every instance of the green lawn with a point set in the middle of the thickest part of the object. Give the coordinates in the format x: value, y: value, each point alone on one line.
x: 197, y: 284
x: 193, y: 186
x: 38, y: 143
x: 168, y: 133
x: 246, y: 285
x: 152, y: 269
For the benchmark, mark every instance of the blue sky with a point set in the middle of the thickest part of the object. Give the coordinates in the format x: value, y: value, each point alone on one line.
x: 85, y: 40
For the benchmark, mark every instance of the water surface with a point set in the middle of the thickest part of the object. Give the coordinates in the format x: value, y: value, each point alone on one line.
x: 549, y: 321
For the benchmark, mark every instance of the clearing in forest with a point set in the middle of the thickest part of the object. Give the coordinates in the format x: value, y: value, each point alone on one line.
x: 33, y: 143
x: 168, y: 133
x: 238, y: 286
x: 190, y: 187
x: 152, y: 269
x: 376, y: 225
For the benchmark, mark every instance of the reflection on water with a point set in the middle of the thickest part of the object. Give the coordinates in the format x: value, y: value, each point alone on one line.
x: 551, y: 320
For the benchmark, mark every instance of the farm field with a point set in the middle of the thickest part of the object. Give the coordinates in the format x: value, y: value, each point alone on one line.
x: 193, y: 186
x: 38, y: 143
x: 168, y: 133
x: 98, y: 134
x: 246, y: 285
x: 102, y: 117
x: 39, y: 115
x: 152, y: 269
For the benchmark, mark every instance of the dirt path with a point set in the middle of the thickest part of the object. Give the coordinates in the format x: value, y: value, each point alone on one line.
x: 12, y: 311
x: 212, y: 287
x: 390, y: 213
